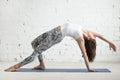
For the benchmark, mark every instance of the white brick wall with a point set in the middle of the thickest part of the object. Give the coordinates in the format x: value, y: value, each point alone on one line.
x: 23, y: 20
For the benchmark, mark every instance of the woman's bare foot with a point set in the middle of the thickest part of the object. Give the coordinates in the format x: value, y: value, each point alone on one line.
x: 12, y: 68
x: 39, y: 67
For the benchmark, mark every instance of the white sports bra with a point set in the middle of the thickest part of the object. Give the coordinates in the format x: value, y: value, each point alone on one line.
x: 72, y: 30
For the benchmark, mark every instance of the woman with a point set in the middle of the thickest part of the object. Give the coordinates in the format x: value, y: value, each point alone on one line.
x: 85, y: 39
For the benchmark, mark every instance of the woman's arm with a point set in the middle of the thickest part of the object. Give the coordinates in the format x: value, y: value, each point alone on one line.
x: 111, y: 45
x: 80, y: 42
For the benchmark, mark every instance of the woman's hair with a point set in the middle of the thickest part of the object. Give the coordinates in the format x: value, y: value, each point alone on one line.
x: 90, y: 46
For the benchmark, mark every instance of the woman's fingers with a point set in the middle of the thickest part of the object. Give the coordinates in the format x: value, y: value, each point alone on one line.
x: 92, y: 70
x: 112, y: 46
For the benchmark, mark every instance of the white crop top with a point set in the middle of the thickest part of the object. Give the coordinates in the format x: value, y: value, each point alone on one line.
x: 72, y: 30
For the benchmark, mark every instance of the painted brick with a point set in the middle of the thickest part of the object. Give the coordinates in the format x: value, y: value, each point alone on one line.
x: 23, y: 20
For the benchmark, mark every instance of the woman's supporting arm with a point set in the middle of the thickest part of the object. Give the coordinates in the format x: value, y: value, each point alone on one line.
x: 80, y: 42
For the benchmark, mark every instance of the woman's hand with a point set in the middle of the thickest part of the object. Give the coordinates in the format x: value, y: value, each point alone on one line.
x: 111, y: 45
x: 91, y: 70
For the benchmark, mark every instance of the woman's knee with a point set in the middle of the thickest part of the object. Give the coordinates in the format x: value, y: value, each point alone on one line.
x: 34, y: 44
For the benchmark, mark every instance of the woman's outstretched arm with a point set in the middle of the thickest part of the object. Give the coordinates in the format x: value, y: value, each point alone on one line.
x: 111, y: 45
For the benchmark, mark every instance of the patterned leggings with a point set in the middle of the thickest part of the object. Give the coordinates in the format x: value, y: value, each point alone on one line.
x: 42, y: 43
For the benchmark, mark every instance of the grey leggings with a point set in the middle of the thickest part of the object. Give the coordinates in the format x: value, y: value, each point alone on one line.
x: 42, y: 43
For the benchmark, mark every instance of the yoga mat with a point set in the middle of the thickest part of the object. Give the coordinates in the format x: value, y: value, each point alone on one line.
x: 61, y: 70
